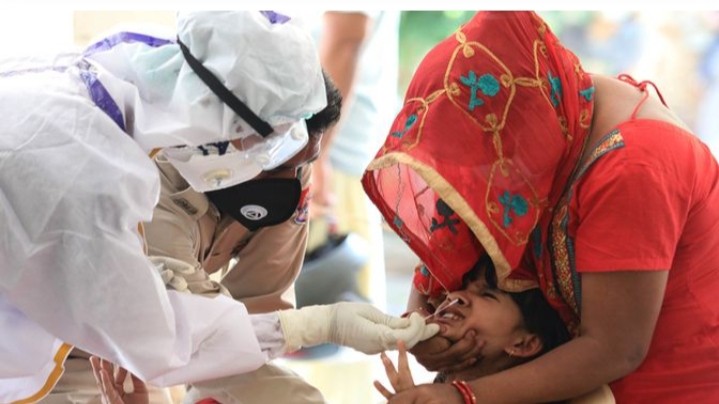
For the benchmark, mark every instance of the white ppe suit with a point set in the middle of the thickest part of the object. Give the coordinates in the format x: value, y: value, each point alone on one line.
x: 76, y: 183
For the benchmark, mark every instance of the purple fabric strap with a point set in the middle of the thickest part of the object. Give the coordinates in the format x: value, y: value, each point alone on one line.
x: 97, y: 91
x: 100, y: 96
x: 275, y: 17
x: 125, y: 37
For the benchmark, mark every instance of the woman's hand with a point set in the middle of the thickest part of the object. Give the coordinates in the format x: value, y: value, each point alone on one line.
x: 401, y: 378
x: 439, y: 354
x: 111, y: 385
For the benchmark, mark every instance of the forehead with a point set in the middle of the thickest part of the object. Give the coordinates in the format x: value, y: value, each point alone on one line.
x: 479, y: 286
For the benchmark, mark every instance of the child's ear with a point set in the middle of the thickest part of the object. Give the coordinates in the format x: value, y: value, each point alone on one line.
x: 525, y: 346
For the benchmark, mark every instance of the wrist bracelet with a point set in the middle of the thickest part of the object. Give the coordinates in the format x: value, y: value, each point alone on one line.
x: 465, y: 391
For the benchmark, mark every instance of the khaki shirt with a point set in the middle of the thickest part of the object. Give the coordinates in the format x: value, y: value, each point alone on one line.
x: 188, y: 227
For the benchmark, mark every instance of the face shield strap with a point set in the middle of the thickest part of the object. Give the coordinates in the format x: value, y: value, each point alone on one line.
x: 260, y: 126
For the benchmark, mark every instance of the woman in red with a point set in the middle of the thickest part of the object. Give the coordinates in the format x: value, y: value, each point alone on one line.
x: 584, y: 185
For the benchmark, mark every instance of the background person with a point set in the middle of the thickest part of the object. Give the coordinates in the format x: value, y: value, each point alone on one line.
x: 350, y: 43
x: 345, y: 259
x: 259, y: 259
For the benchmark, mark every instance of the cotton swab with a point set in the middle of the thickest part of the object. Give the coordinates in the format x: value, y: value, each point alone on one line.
x: 442, y: 309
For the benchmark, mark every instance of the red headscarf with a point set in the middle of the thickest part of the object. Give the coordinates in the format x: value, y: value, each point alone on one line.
x: 493, y: 124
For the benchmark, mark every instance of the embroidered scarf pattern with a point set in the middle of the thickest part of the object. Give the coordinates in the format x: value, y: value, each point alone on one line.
x: 492, y: 128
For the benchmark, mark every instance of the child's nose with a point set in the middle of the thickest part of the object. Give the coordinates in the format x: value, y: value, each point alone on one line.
x: 460, y: 296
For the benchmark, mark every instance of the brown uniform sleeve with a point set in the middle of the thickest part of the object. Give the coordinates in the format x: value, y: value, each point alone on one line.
x: 268, y: 265
x: 175, y: 231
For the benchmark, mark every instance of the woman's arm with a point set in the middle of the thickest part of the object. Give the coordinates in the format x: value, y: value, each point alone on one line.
x: 418, y: 302
x: 619, y: 313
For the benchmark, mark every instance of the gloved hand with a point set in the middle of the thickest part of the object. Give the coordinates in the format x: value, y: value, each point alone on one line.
x: 357, y: 325
x: 183, y: 277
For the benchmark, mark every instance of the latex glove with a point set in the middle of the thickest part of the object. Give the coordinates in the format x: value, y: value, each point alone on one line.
x: 184, y: 277
x: 357, y: 325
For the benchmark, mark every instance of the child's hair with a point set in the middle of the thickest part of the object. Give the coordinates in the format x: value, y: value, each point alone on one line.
x: 538, y: 316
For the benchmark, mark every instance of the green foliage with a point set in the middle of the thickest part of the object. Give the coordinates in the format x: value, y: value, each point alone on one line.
x: 419, y: 32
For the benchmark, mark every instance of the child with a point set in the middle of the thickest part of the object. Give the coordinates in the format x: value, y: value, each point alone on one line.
x: 516, y: 327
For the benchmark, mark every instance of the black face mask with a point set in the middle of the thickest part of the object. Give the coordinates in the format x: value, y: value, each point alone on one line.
x: 259, y: 203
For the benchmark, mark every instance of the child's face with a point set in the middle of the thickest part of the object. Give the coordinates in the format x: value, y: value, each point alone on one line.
x: 493, y: 315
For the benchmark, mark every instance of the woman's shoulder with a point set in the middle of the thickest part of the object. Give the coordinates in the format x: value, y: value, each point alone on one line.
x: 620, y: 104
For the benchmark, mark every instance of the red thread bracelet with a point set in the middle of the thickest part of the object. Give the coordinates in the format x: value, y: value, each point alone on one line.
x: 465, y: 391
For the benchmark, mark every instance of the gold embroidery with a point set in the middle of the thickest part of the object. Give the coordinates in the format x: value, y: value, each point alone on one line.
x: 562, y: 255
x: 467, y: 51
x: 563, y: 268
x: 493, y: 210
x: 459, y: 35
x: 585, y: 119
x: 503, y: 169
x: 565, y: 128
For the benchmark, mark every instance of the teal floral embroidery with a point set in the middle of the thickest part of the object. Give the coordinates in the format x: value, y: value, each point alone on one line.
x: 399, y: 225
x: 424, y: 271
x: 407, y: 124
x: 556, y: 85
x: 486, y: 84
x: 587, y: 93
x: 446, y: 212
x: 512, y: 203
x: 561, y: 244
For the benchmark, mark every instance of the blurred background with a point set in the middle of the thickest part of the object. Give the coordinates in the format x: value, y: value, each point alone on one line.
x: 679, y: 51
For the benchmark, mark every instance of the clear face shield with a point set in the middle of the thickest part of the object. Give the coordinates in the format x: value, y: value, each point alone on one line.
x: 220, y: 165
